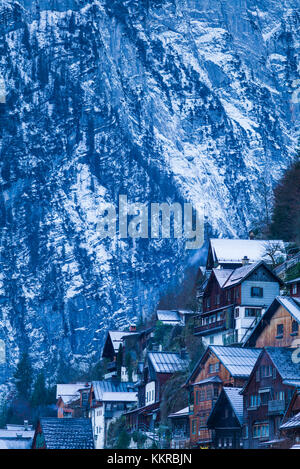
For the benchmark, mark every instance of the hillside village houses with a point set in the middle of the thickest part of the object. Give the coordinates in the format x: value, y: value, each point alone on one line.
x: 242, y: 391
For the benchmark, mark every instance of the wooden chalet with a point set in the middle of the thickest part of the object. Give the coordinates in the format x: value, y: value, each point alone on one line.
x: 158, y: 368
x: 56, y: 433
x: 233, y: 302
x: 279, y: 326
x: 218, y: 367
x: 226, y: 420
x: 267, y: 395
x: 294, y: 287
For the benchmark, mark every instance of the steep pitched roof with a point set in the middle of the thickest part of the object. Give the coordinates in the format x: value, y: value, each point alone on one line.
x: 292, y: 305
x: 222, y: 275
x: 282, y: 357
x: 241, y: 273
x: 67, y: 433
x: 238, y: 361
x: 116, y: 338
x: 293, y: 422
x: 111, y: 391
x: 232, y: 251
x: 236, y: 401
x: 167, y: 362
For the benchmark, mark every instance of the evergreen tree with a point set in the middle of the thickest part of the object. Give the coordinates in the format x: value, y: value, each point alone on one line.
x: 286, y: 214
x: 40, y: 393
x: 23, y: 376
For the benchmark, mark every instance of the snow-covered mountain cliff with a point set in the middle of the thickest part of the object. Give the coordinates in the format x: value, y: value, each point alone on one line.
x: 161, y: 100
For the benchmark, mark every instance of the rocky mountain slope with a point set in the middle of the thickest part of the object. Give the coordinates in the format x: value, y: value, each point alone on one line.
x: 161, y: 100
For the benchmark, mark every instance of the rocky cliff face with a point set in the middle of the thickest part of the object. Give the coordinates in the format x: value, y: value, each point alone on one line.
x: 161, y: 100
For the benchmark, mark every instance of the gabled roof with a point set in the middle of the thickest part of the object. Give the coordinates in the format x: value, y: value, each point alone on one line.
x: 222, y: 275
x: 293, y: 422
x: 168, y: 315
x: 111, y: 391
x: 282, y: 358
x: 235, y: 400
x: 238, y: 361
x: 241, y: 273
x: 167, y: 362
x: 232, y: 251
x: 292, y: 305
x: 67, y: 433
x: 116, y: 338
x: 69, y: 392
x: 212, y: 379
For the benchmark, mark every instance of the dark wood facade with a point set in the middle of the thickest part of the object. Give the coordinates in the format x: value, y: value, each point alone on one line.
x: 266, y: 399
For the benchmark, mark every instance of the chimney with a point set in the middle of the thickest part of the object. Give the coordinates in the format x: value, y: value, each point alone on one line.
x: 132, y: 328
x: 245, y: 260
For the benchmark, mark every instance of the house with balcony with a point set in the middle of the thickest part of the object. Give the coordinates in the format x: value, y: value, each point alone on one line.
x: 279, y: 326
x: 233, y: 302
x: 218, y: 367
x: 158, y: 368
x: 267, y: 395
x: 108, y: 400
x: 226, y: 420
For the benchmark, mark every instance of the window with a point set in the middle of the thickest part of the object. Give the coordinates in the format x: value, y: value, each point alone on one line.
x: 208, y: 303
x: 279, y: 396
x: 209, y: 394
x: 214, y: 368
x: 294, y: 289
x: 257, y: 292
x: 202, y: 420
x: 216, y: 392
x: 280, y: 330
x: 211, y: 339
x: 261, y: 430
x: 295, y: 326
x: 252, y: 312
x: 266, y: 371
x: 194, y: 427
x: 218, y: 298
x: 236, y: 312
x: 264, y: 398
x: 202, y: 395
x: 254, y: 400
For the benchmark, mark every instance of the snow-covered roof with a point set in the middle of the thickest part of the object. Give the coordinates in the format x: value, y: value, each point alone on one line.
x: 70, y: 392
x: 116, y: 338
x: 234, y: 250
x: 109, y: 391
x: 168, y: 315
x: 75, y: 433
x: 238, y: 361
x: 180, y: 413
x: 295, y: 280
x: 293, y: 422
x: 222, y: 275
x: 167, y: 362
x: 282, y: 358
x: 236, y: 401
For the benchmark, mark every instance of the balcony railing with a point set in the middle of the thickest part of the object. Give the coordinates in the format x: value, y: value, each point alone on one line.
x: 276, y: 407
x: 207, y: 328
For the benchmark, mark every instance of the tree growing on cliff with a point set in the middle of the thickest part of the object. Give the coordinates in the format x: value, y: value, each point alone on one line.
x: 23, y: 376
x: 286, y: 214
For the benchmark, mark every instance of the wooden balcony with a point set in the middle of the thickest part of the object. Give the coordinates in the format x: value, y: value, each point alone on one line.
x: 276, y: 407
x: 205, y: 329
